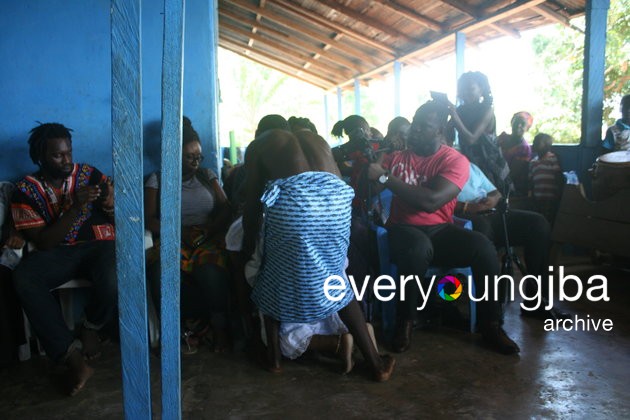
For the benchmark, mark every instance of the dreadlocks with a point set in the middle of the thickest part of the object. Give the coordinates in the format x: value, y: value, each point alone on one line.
x: 38, y: 141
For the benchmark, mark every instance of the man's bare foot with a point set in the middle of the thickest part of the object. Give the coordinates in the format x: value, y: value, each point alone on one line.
x: 91, y: 343
x: 370, y: 329
x: 387, y: 368
x: 346, y: 344
x: 79, y: 372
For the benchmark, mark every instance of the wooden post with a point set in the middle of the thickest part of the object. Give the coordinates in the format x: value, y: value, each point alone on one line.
x: 339, y: 104
x: 170, y: 205
x: 460, y: 50
x: 233, y: 157
x: 357, y: 97
x: 397, y: 68
x: 594, y: 66
x: 128, y: 188
x: 326, y: 125
x: 213, y: 105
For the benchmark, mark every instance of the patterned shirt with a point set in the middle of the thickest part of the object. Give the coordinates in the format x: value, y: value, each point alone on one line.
x: 545, y: 177
x: 36, y: 204
x: 617, y: 137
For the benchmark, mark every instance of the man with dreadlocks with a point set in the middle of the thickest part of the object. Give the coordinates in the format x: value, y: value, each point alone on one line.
x: 66, y: 210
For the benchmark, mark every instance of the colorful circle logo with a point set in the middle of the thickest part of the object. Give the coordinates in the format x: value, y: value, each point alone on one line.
x: 447, y: 281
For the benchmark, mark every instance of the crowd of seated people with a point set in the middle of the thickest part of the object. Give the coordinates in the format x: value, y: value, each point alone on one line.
x: 262, y: 248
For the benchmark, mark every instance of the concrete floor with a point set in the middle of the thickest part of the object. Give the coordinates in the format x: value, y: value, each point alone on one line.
x: 446, y: 373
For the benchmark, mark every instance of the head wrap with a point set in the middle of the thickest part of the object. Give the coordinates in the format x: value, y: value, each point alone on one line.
x: 525, y: 116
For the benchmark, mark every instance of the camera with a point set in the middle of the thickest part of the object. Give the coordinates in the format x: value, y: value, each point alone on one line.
x: 362, y: 142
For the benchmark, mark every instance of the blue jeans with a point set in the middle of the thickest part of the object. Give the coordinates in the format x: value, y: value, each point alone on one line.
x: 42, y: 271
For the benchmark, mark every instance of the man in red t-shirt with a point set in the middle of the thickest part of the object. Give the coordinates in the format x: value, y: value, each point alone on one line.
x: 426, y: 179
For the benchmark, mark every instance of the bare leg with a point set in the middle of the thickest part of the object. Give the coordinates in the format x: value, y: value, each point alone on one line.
x: 382, y: 366
x: 340, y: 345
x: 79, y: 373
x: 91, y: 343
x: 272, y: 328
x: 370, y: 329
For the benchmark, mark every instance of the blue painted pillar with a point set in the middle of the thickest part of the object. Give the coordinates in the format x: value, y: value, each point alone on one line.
x: 128, y: 188
x: 397, y: 68
x: 213, y: 106
x: 460, y: 49
x: 170, y: 205
x: 339, y: 104
x: 357, y: 97
x: 594, y: 66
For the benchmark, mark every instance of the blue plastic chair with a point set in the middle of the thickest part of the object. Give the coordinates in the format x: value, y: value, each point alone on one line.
x: 388, y: 309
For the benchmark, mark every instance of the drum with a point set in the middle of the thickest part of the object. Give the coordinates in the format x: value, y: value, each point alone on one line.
x: 611, y: 173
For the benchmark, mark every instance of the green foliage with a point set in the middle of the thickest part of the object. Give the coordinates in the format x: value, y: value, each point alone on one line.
x: 561, y: 56
x: 249, y: 91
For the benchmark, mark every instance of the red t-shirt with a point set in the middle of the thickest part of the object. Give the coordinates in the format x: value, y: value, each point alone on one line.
x: 413, y: 169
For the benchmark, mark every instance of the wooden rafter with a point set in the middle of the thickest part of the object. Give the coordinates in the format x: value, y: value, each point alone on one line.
x: 255, y: 27
x: 411, y: 14
x: 374, y: 23
x: 353, y: 52
x: 334, y: 26
x: 292, y: 41
x: 283, y: 49
x: 478, y: 14
x: 323, y: 81
x: 555, y: 16
x: 503, y: 13
x: 274, y: 65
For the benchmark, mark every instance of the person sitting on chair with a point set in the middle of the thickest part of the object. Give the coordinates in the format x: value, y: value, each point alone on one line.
x: 295, y: 182
x: 66, y: 210
x: 618, y: 135
x: 478, y: 202
x: 205, y: 217
x: 425, y: 180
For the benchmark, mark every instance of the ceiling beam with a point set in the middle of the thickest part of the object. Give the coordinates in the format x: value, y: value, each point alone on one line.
x: 307, y: 32
x: 478, y: 14
x: 277, y: 61
x: 448, y: 39
x: 510, y: 10
x: 255, y: 27
x: 555, y: 16
x: 334, y: 26
x: 411, y: 14
x: 239, y: 51
x: 366, y: 20
x: 291, y: 41
x: 282, y: 49
x: 331, y: 55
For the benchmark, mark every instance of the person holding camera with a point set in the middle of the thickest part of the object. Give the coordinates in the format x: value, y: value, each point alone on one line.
x: 65, y: 210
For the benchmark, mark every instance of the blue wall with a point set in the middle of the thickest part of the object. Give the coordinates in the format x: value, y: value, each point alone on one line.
x: 57, y: 68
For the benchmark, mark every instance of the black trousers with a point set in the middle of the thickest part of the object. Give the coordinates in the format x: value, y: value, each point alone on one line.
x: 415, y: 248
x: 42, y: 271
x: 525, y: 228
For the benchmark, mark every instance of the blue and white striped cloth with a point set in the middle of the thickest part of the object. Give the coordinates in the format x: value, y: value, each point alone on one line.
x: 306, y: 236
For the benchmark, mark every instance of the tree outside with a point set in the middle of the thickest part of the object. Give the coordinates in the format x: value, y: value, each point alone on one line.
x: 561, y: 94
x: 541, y: 73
